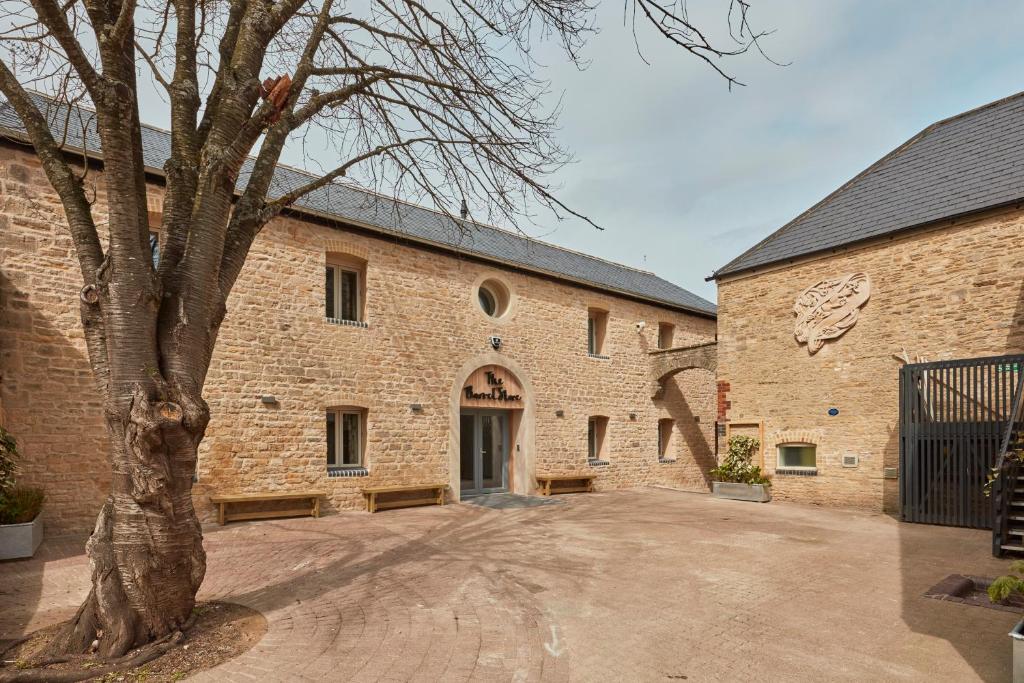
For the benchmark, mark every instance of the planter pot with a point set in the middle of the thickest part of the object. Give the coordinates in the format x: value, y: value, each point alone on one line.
x: 1017, y: 634
x: 20, y: 540
x: 757, y: 493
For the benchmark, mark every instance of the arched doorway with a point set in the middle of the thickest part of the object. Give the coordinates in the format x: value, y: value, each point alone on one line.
x: 492, y: 434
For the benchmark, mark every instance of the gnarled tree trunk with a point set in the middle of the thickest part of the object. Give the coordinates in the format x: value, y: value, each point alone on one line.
x: 146, y: 553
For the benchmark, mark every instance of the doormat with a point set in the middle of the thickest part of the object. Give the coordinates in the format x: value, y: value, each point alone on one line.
x: 511, y: 501
x: 972, y: 590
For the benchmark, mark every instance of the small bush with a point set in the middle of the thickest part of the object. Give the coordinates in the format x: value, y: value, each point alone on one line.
x: 8, y: 464
x: 1005, y: 586
x: 738, y: 466
x: 20, y: 504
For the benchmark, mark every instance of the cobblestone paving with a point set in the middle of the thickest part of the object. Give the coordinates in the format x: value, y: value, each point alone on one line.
x: 651, y: 585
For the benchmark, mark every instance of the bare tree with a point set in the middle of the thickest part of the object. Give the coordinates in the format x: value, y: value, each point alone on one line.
x: 441, y: 101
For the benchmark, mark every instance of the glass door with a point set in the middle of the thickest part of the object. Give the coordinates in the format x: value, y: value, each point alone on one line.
x: 483, y: 456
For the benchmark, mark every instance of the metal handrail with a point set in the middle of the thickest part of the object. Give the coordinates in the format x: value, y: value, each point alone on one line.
x: 1006, y: 473
x: 1015, y: 417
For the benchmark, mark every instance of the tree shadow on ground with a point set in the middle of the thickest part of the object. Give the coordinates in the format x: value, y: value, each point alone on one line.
x: 464, y: 542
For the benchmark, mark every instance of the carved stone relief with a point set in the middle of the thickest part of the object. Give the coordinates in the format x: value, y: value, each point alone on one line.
x: 827, y: 309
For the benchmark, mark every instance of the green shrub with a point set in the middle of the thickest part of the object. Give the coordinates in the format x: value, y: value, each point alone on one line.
x: 1005, y: 586
x: 20, y: 504
x: 8, y: 463
x: 738, y: 466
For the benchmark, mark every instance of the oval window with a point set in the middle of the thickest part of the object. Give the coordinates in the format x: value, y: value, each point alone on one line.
x: 488, y: 302
x: 493, y: 297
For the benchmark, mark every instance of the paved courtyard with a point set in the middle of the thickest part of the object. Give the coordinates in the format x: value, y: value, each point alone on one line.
x: 626, y: 586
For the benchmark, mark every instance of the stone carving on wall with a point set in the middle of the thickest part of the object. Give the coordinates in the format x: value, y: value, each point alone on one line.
x: 827, y: 309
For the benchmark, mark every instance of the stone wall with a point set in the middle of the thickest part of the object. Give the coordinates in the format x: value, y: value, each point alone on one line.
x: 423, y: 326
x: 956, y: 291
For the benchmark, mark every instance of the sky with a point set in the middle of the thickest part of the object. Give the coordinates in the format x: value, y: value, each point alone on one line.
x: 684, y: 174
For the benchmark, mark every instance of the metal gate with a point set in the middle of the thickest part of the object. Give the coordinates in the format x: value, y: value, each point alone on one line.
x: 953, y: 416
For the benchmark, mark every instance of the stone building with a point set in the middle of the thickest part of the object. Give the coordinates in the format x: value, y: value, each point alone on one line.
x: 370, y: 342
x: 919, y: 257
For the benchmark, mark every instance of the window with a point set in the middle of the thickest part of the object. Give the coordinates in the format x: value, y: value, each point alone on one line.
x: 597, y: 327
x: 493, y: 297
x: 597, y: 428
x: 344, y: 438
x: 343, y: 293
x: 798, y: 456
x: 666, y: 331
x: 665, y: 428
x: 154, y: 248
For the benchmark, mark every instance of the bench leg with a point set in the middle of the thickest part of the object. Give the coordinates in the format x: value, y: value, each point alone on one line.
x: 371, y: 503
x: 220, y: 514
x: 316, y: 508
x: 440, y: 496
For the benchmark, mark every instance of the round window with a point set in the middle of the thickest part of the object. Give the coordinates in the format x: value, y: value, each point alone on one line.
x: 488, y: 302
x: 493, y: 297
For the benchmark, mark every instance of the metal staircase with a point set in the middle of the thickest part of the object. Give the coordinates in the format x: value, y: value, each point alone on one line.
x: 1008, y: 488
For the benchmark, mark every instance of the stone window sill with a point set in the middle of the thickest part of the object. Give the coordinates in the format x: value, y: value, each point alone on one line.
x: 333, y: 472
x: 798, y: 471
x: 347, y: 323
x: 597, y: 463
x: 598, y: 356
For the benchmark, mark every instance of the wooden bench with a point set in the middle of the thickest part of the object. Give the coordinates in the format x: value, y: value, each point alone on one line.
x: 436, y: 496
x: 222, y: 501
x: 547, y: 480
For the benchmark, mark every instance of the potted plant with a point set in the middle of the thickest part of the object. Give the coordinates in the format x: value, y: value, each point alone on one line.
x: 737, y: 477
x: 21, y: 519
x: 1001, y: 589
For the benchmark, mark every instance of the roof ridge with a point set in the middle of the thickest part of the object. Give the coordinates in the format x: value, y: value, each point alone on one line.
x: 917, y: 137
x: 515, y: 233
x: 699, y: 304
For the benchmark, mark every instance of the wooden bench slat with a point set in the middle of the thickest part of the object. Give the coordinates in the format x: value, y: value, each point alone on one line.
x: 373, y: 504
x: 283, y: 495
x: 412, y: 502
x: 390, y: 489
x: 584, y: 483
x: 223, y: 500
x: 263, y: 514
x: 564, y: 477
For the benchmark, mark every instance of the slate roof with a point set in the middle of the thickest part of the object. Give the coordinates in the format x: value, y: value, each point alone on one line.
x: 970, y: 162
x: 385, y: 215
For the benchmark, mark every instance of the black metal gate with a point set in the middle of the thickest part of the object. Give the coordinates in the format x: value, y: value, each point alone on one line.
x: 953, y: 416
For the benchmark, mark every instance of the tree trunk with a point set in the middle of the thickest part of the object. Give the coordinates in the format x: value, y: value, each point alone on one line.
x: 146, y: 553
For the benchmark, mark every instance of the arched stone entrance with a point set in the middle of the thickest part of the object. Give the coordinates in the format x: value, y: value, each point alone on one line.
x: 491, y: 392
x: 665, y: 364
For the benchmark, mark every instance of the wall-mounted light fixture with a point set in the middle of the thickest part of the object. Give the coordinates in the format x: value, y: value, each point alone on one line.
x: 268, y: 399
x: 559, y: 413
x: 632, y: 416
x: 416, y: 407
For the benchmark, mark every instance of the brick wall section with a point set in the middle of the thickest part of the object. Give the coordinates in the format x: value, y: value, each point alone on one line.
x: 954, y: 292
x: 423, y: 325
x: 722, y: 402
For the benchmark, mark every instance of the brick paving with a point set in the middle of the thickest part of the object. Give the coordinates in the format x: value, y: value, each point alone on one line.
x: 622, y: 586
